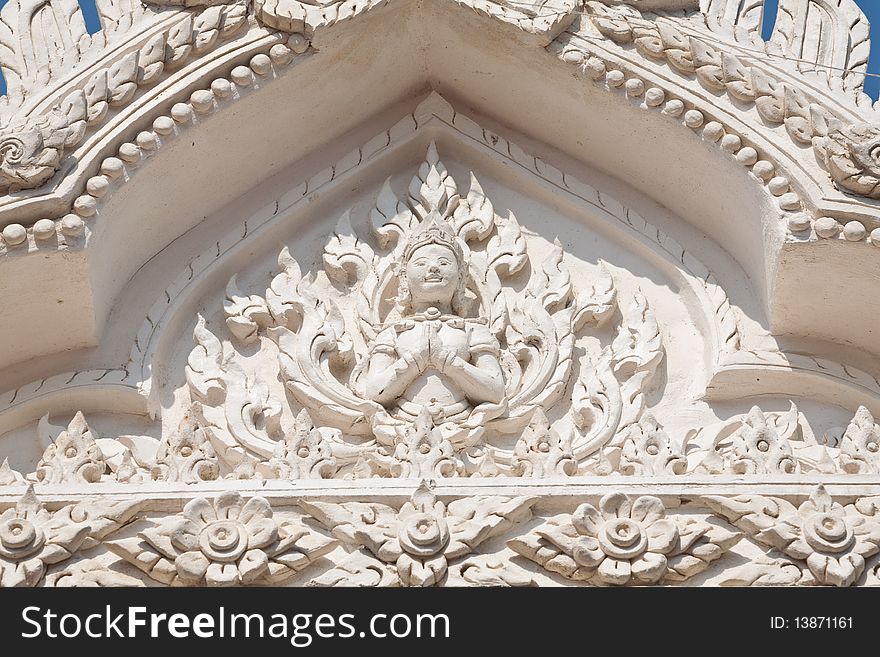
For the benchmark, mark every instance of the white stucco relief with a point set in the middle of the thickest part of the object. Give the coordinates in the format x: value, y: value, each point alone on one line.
x: 454, y: 339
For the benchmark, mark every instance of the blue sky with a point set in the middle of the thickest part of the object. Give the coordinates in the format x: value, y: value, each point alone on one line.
x: 870, y: 7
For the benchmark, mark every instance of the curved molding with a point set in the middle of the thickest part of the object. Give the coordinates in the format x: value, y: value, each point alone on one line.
x: 735, y: 370
x: 167, y: 495
x: 96, y: 390
x: 72, y: 202
x: 748, y: 374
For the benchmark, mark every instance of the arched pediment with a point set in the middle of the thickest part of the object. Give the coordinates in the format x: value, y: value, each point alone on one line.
x: 345, y: 248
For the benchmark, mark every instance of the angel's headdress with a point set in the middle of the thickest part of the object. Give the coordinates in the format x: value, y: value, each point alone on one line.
x: 434, y: 230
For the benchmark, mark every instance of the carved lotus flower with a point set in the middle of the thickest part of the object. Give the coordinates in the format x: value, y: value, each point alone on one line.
x: 834, y: 543
x: 224, y: 542
x: 32, y: 538
x: 422, y: 538
x: 832, y: 539
x: 624, y: 539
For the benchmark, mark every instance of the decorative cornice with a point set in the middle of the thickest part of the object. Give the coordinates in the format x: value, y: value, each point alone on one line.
x: 844, y: 149
x: 32, y: 147
x: 71, y: 230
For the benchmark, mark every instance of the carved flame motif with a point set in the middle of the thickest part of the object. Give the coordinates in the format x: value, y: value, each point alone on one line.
x: 422, y: 356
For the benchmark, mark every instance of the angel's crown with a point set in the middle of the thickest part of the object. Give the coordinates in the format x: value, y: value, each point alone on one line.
x: 434, y: 230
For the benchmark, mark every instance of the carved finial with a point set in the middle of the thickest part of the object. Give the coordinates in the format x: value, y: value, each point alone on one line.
x: 74, y: 457
x: 424, y: 452
x: 541, y: 451
x: 759, y: 449
x: 648, y: 450
x: 187, y: 455
x: 304, y: 453
x: 8, y: 476
x: 860, y: 445
x: 29, y: 503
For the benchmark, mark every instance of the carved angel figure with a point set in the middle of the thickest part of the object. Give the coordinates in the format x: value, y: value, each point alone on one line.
x: 431, y: 355
x: 418, y: 338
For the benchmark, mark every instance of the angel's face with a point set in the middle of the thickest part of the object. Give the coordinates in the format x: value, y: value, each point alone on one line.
x: 432, y: 274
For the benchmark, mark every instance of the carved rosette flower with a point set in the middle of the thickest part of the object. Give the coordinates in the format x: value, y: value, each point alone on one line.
x: 187, y: 455
x: 860, y: 445
x: 833, y: 540
x: 32, y: 538
x: 423, y: 536
x: 224, y: 542
x: 304, y: 454
x: 625, y: 540
x: 541, y: 451
x: 420, y: 539
x: 74, y: 456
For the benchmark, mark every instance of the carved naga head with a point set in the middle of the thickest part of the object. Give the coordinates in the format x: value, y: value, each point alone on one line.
x: 852, y: 155
x: 25, y: 161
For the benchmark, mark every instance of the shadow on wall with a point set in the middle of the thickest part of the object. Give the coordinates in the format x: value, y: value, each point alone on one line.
x: 870, y: 7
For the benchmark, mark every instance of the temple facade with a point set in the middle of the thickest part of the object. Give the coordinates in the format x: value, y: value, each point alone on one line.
x: 438, y: 293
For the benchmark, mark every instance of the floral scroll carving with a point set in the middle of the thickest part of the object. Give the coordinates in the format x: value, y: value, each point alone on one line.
x: 482, y: 540
x: 33, y: 538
